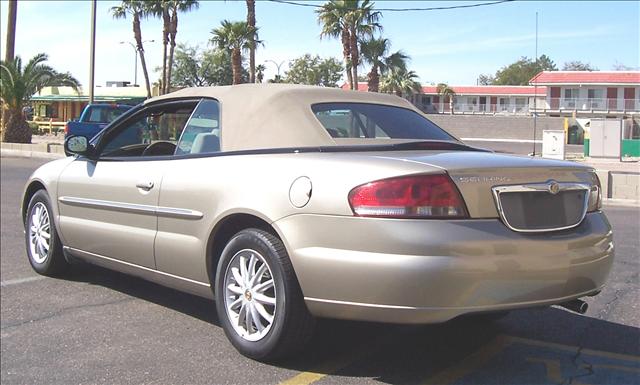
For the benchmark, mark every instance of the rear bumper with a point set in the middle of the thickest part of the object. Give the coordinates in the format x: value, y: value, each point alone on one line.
x: 425, y: 271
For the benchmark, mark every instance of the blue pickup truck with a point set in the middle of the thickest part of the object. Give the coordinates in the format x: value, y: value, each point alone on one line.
x: 94, y: 118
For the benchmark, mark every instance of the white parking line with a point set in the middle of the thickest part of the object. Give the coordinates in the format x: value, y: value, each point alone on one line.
x: 16, y: 281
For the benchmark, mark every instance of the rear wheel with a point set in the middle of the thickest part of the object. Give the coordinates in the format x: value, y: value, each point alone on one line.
x: 258, y: 298
x: 43, y: 244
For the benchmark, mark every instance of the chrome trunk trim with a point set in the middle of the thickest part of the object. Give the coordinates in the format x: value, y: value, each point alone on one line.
x: 552, y: 187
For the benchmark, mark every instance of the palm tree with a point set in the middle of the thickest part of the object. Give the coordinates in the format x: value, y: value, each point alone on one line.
x: 363, y: 22
x: 12, y: 12
x: 446, y: 92
x: 401, y: 82
x: 351, y: 20
x: 137, y: 9
x: 234, y: 37
x: 176, y: 6
x: 260, y: 68
x: 376, y: 53
x: 17, y: 85
x: 331, y: 16
x: 160, y: 9
x: 251, y: 22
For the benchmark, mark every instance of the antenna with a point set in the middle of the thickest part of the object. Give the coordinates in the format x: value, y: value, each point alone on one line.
x: 535, y: 93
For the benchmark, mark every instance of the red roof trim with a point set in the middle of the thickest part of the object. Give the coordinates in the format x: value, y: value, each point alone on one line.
x: 587, y: 77
x: 362, y: 86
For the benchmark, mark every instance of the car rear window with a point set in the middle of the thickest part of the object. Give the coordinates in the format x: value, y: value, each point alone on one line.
x: 113, y: 113
x: 105, y: 114
x: 376, y: 121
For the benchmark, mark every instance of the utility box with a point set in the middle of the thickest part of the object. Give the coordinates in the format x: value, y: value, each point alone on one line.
x: 553, y: 144
x: 630, y: 147
x: 605, y: 138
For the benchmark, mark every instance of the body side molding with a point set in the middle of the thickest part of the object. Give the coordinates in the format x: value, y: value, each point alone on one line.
x: 172, y: 212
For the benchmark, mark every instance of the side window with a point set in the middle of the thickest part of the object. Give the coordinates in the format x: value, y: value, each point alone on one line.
x: 154, y: 131
x: 202, y: 133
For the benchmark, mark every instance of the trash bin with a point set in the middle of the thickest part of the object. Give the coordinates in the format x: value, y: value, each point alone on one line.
x: 576, y: 135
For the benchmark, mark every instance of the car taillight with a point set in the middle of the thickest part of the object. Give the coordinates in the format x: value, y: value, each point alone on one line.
x: 421, y: 196
x: 66, y: 128
x: 595, y: 194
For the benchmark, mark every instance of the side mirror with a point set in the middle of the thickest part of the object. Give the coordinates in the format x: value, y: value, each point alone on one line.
x: 77, y: 145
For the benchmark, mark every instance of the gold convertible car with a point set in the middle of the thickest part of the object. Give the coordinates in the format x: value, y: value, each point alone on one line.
x: 285, y: 203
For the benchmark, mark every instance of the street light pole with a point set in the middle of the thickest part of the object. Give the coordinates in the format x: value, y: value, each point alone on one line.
x: 92, y: 54
x: 135, y: 59
x: 277, y: 65
x: 135, y: 62
x: 535, y: 94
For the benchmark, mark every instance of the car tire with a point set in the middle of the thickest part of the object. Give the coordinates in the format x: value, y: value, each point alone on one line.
x: 44, y: 248
x: 278, y: 322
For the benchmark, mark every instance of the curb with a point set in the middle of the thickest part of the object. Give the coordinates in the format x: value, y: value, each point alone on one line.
x: 5, y: 152
x: 33, y: 150
x: 620, y: 202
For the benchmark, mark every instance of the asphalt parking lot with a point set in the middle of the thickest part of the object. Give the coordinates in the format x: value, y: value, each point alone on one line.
x: 97, y: 326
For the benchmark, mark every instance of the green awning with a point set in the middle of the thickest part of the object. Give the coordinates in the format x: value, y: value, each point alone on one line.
x: 83, y: 98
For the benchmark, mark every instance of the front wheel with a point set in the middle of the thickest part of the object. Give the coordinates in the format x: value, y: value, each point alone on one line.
x: 43, y: 244
x: 258, y: 298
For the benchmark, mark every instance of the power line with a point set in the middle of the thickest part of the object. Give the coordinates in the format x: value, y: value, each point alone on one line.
x: 402, y: 9
x: 294, y: 3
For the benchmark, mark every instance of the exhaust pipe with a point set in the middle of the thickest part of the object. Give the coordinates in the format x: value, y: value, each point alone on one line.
x: 576, y: 305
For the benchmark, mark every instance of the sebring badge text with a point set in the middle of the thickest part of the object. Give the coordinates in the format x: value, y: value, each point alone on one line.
x: 483, y: 179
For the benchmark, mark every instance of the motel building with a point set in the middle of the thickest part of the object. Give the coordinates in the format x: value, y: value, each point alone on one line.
x: 580, y: 94
x: 614, y: 94
x: 484, y: 100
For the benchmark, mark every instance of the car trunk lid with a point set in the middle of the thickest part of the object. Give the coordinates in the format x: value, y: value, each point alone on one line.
x: 527, y: 202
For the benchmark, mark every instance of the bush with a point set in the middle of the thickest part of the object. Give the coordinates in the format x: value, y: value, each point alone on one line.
x: 35, y: 129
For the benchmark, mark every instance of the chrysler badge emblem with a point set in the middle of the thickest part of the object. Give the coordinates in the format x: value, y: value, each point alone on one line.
x: 554, y: 187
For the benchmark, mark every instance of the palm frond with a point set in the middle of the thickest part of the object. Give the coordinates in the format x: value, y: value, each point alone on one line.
x: 119, y: 12
x: 234, y: 35
x: 186, y: 5
x: 397, y: 59
x: 156, y: 8
x: 401, y: 82
x: 331, y: 16
x: 443, y: 89
x: 18, y: 85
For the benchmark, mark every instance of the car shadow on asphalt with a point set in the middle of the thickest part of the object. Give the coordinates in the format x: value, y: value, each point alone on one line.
x: 546, y: 345
x: 192, y: 305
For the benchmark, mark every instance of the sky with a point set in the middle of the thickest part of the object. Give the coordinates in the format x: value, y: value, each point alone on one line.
x: 451, y: 46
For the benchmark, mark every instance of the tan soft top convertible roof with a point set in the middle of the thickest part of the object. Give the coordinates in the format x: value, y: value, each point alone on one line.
x: 258, y: 116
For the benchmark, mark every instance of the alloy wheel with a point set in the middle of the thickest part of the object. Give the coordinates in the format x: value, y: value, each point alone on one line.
x: 39, y: 232
x: 250, y: 295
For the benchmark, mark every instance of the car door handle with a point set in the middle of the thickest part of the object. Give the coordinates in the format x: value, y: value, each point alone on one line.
x: 145, y: 185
